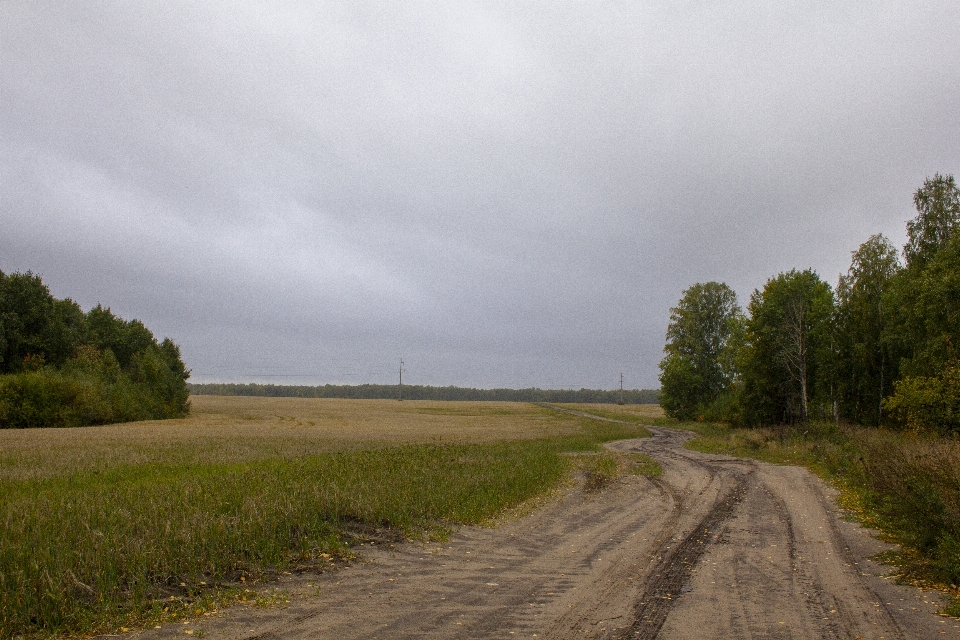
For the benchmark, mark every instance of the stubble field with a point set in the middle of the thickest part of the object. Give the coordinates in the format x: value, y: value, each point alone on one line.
x: 126, y: 524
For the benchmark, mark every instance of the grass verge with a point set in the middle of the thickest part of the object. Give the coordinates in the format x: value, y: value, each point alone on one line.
x: 903, y: 484
x: 93, y: 549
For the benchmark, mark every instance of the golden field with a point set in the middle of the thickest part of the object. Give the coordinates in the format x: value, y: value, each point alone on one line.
x: 237, y: 428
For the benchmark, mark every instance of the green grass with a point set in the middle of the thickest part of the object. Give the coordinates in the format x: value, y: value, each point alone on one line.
x: 90, y: 550
x: 953, y: 609
x: 603, y: 468
x: 905, y: 485
x: 640, y: 464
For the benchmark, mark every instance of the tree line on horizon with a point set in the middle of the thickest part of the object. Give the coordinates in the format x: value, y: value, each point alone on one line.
x: 880, y: 348
x: 424, y: 392
x: 61, y: 367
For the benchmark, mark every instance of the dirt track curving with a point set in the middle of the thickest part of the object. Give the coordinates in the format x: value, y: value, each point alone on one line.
x: 716, y: 547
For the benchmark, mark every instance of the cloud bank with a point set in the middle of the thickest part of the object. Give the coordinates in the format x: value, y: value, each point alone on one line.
x: 499, y: 194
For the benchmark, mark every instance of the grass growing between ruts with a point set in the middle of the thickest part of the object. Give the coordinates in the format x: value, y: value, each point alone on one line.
x: 91, y: 546
x: 905, y: 485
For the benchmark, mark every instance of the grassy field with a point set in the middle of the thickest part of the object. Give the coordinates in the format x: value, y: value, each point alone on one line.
x: 240, y: 429
x: 103, y: 527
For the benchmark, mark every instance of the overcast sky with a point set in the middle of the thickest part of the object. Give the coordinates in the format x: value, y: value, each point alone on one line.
x: 500, y: 193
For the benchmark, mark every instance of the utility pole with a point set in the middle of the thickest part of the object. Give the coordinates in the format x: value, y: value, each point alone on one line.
x: 621, y: 388
x: 400, y: 397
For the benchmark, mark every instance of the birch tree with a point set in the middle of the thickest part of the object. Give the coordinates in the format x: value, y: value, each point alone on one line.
x: 695, y: 370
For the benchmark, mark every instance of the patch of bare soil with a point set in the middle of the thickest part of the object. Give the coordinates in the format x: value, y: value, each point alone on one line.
x: 716, y: 547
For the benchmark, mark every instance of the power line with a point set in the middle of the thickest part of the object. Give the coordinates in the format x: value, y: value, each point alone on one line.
x: 400, y: 388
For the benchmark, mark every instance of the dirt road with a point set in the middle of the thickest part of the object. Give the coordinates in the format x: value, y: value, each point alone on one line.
x: 716, y: 547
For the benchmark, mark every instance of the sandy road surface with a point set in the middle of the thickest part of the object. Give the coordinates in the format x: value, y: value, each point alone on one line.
x: 716, y: 547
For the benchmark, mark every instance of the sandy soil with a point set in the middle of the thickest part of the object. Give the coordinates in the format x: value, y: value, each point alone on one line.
x: 716, y: 547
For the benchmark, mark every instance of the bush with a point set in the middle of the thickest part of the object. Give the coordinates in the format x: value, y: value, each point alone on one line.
x: 92, y: 389
x: 60, y: 367
x: 33, y: 399
x: 928, y: 404
x: 726, y: 408
x: 914, y: 483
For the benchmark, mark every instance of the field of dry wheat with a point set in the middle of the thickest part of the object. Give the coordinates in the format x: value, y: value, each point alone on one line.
x: 223, y: 429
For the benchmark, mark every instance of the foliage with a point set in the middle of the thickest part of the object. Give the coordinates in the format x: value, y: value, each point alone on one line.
x: 61, y: 367
x: 923, y: 403
x: 697, y: 367
x: 865, y: 366
x: 926, y: 302
x: 789, y: 364
x: 879, y: 351
x: 938, y: 218
x: 34, y: 327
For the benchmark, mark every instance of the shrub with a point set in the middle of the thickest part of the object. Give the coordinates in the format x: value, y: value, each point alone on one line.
x: 60, y: 367
x: 926, y: 403
x: 92, y: 389
x: 914, y: 483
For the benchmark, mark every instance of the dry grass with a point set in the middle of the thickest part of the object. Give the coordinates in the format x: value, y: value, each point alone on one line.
x: 224, y: 429
x: 637, y: 413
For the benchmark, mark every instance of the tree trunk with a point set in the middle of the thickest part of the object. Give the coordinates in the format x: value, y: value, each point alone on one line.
x: 794, y: 349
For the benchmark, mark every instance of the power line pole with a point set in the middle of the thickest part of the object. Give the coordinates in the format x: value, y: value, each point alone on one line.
x: 400, y: 388
x: 621, y: 387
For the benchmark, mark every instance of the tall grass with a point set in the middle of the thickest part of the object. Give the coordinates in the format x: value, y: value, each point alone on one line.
x: 907, y: 485
x: 88, y: 549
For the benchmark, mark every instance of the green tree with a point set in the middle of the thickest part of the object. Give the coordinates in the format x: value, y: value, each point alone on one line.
x: 866, y: 368
x: 791, y: 350
x: 35, y: 327
x: 26, y: 310
x: 924, y: 298
x: 938, y: 217
x: 123, y: 338
x: 929, y: 313
x: 696, y: 369
x: 61, y: 367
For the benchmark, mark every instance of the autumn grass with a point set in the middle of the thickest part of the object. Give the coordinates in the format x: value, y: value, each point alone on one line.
x: 223, y: 429
x: 635, y: 413
x: 904, y: 484
x: 114, y: 526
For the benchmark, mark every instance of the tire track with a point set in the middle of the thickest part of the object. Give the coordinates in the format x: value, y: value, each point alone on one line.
x: 674, y: 570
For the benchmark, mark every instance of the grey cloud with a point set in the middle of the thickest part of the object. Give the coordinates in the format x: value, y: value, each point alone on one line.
x: 500, y: 194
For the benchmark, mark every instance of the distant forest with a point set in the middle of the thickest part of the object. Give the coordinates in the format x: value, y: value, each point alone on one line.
x: 422, y: 392
x: 61, y: 367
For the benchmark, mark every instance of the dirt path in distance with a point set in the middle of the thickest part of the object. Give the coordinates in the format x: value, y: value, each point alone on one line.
x: 716, y: 547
